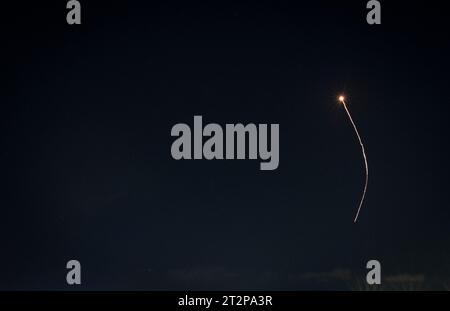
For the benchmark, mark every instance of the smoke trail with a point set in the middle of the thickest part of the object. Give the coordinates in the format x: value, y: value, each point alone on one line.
x: 364, y: 156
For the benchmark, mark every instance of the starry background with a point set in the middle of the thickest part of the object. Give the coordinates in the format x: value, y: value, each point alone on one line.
x: 86, y: 171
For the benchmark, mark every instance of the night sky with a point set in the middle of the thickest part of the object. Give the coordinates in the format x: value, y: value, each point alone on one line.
x: 86, y: 171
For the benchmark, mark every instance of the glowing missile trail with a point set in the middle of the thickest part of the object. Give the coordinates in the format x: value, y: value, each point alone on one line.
x: 342, y: 100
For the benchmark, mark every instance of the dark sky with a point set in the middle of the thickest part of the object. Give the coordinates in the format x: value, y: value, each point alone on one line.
x: 86, y: 170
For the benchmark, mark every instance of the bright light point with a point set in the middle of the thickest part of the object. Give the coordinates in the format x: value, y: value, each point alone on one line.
x: 341, y: 98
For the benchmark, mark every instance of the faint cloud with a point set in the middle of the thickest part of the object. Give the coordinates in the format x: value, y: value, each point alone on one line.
x: 405, y: 278
x: 333, y: 275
